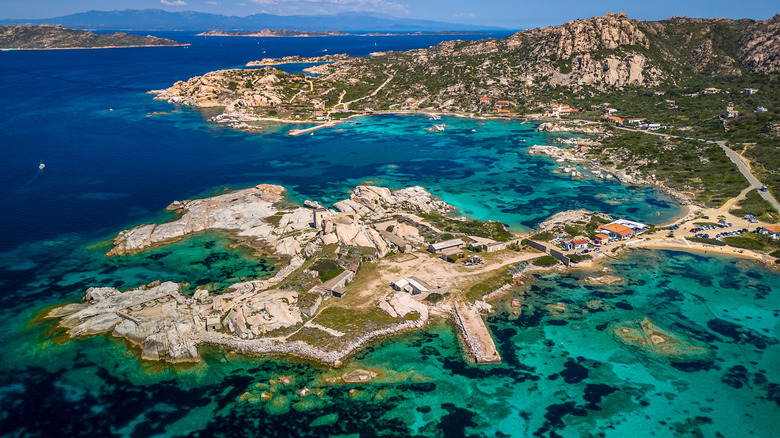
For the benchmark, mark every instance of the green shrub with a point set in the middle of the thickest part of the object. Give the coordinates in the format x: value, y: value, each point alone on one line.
x: 745, y: 242
x: 547, y: 260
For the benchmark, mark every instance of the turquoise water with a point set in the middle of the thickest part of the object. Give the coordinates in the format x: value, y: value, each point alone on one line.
x: 110, y: 167
x: 561, y: 376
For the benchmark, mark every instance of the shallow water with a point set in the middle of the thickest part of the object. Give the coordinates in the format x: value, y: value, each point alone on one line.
x: 111, y: 164
x: 561, y: 374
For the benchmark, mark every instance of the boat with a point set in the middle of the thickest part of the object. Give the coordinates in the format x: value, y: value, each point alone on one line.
x: 41, y: 166
x: 438, y: 128
x: 473, y: 130
x: 435, y: 117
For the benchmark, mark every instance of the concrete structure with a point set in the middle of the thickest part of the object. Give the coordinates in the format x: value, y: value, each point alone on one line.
x: 311, y: 309
x: 476, y: 334
x: 319, y: 217
x: 413, y: 285
x: 441, y: 246
x: 730, y: 111
x: 711, y: 91
x: 213, y: 322
x: 749, y: 91
x: 654, y: 126
x: 396, y: 240
x: 451, y: 254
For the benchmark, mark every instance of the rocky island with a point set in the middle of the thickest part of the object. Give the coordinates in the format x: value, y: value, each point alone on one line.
x: 45, y: 37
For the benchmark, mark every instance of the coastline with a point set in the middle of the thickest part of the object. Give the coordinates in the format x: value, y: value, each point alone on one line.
x: 11, y: 49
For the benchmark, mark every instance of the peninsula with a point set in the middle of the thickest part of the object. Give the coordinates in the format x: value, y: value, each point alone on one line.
x: 368, y: 268
x: 46, y: 37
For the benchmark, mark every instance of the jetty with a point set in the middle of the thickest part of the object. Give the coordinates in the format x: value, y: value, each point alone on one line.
x: 297, y: 132
x: 476, y: 334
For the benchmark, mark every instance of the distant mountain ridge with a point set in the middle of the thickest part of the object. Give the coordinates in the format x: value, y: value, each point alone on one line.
x: 158, y: 19
x: 45, y: 36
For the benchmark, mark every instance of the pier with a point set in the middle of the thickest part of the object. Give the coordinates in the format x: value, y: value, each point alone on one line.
x: 297, y: 132
x: 476, y: 334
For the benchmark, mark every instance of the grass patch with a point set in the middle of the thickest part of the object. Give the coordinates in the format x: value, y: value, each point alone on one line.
x: 706, y: 241
x: 543, y: 236
x: 757, y: 206
x: 489, y: 229
x: 545, y: 261
x: 434, y: 298
x: 745, y: 242
x: 275, y: 219
x: 490, y: 284
x: 352, y: 322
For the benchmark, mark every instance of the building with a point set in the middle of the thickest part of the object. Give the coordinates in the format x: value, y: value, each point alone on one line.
x: 413, y: 285
x: 614, y: 119
x: 335, y: 286
x: 636, y: 120
x: 213, y: 322
x: 451, y: 254
x: 730, y: 111
x: 485, y: 100
x: 772, y: 230
x: 749, y: 91
x: 437, y: 248
x: 579, y: 244
x: 503, y: 112
x: 654, y: 126
x: 671, y: 102
x: 319, y: 217
x: 396, y: 240
x: 761, y: 109
x: 617, y: 231
x: 711, y: 91
x: 659, y: 93
x: 560, y: 109
x: 502, y: 103
x: 601, y: 239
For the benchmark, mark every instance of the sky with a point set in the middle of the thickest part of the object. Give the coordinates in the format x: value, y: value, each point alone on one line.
x: 513, y: 14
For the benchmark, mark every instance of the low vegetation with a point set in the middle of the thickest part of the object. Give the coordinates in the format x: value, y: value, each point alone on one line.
x: 489, y: 285
x: 488, y: 229
x: 757, y: 206
x: 545, y: 261
x: 745, y: 242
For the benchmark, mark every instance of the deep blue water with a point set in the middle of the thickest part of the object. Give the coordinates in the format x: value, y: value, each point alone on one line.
x: 110, y: 164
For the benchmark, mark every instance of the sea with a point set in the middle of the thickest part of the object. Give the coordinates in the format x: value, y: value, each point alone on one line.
x: 115, y: 158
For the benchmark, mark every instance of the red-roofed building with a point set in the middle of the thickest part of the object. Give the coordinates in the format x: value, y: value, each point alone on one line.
x: 560, y: 109
x: 601, y: 239
x: 502, y: 103
x: 485, y: 100
x: 504, y: 112
x: 579, y: 244
x: 617, y: 231
x: 614, y: 119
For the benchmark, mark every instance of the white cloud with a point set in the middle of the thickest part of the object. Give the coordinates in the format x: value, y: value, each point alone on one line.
x: 212, y: 3
x: 329, y: 6
x: 173, y: 3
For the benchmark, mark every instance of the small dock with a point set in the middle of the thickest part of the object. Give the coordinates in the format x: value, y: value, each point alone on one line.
x: 297, y: 132
x: 476, y: 334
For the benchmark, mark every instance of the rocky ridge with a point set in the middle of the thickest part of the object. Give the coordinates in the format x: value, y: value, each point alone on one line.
x: 252, y: 316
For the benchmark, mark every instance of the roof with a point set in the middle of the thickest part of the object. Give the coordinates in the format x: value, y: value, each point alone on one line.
x: 393, y: 238
x: 601, y: 236
x: 774, y: 229
x: 338, y: 279
x: 579, y: 241
x: 629, y: 224
x: 617, y: 228
x: 447, y: 244
x: 451, y: 251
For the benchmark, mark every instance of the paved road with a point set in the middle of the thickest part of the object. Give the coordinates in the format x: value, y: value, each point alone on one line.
x: 743, y: 168
x: 748, y: 175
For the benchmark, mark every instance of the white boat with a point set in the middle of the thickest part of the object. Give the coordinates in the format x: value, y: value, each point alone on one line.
x: 440, y: 127
x: 41, y: 166
x: 435, y: 117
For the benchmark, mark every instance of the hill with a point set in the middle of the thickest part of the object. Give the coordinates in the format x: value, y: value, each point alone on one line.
x: 59, y: 37
x: 158, y: 19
